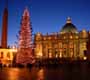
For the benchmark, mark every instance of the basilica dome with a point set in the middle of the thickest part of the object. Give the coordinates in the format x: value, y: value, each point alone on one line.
x: 69, y: 27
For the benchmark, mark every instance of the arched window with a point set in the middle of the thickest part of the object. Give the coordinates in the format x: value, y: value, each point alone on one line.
x: 8, y: 55
x: 1, y: 54
x: 71, y: 45
x: 60, y: 45
x: 49, y: 53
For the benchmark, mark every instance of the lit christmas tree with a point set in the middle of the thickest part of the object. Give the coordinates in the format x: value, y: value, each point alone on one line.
x: 25, y: 52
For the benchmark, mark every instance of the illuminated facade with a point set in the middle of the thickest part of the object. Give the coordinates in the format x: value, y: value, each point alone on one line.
x: 7, y: 56
x: 87, y: 52
x: 68, y: 43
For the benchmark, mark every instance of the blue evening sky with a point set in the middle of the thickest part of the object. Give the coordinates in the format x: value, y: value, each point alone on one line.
x: 46, y: 15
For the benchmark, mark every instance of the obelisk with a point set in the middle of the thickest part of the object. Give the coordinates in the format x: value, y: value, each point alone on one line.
x: 4, y: 29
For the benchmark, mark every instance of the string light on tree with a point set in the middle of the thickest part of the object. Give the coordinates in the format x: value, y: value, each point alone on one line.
x: 25, y: 53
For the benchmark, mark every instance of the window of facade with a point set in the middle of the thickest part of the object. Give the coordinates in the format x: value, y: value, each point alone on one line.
x: 56, y: 53
x: 71, y: 52
x: 60, y: 54
x: 64, y: 45
x: 2, y: 54
x: 64, y: 37
x: 71, y: 44
x: 64, y: 52
x: 8, y: 55
x: 60, y: 45
x: 49, y: 45
x: 71, y: 37
x: 49, y: 53
x: 84, y: 45
x: 84, y: 33
x: 55, y: 45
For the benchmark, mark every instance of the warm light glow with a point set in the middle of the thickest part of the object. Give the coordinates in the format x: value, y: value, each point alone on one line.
x: 39, y: 55
x: 49, y: 37
x: 13, y: 47
x: 60, y: 55
x: 76, y: 37
x: 38, y: 34
x: 56, y: 55
x: 84, y: 31
x: 64, y: 37
x: 40, y: 74
x: 50, y: 55
x: 70, y: 37
x: 44, y: 38
x: 84, y: 58
x: 13, y: 73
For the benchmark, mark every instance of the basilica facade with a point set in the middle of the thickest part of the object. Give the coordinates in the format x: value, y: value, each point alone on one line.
x: 68, y: 43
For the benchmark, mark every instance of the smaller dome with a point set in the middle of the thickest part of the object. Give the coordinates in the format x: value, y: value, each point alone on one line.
x: 84, y: 31
x: 38, y: 34
x: 69, y: 27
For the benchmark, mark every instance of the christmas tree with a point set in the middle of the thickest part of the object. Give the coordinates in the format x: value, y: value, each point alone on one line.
x: 25, y: 52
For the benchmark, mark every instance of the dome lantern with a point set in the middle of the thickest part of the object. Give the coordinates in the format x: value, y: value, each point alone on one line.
x: 68, y: 20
